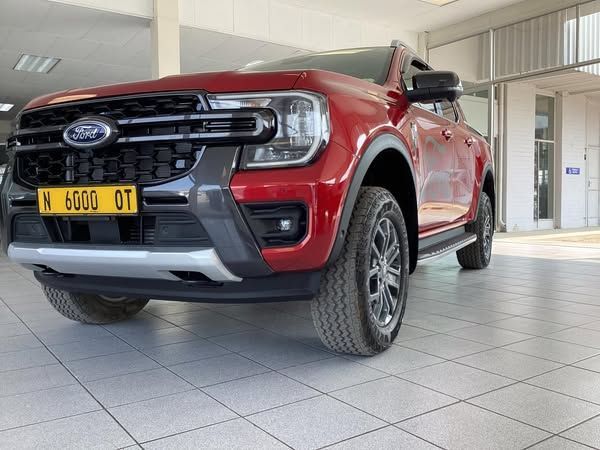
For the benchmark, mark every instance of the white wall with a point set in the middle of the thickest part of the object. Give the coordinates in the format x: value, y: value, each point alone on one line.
x: 519, y: 141
x: 297, y: 26
x: 573, y: 141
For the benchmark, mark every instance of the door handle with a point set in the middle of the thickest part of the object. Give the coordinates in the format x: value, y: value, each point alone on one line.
x: 448, y: 134
x: 469, y: 141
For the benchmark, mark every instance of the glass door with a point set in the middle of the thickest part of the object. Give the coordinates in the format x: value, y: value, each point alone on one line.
x: 543, y: 178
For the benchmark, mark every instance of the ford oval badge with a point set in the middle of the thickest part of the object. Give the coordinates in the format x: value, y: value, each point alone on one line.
x: 89, y: 133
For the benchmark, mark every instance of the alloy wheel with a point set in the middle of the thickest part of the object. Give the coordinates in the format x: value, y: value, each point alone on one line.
x: 384, y: 273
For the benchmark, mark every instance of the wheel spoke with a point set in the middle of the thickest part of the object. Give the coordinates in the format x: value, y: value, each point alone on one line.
x: 385, y: 307
x: 391, y: 302
x: 392, y: 254
x: 391, y: 282
x: 394, y: 271
x: 378, y: 307
x: 375, y: 250
x: 374, y: 271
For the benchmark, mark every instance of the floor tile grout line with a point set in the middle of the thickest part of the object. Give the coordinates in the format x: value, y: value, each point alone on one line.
x: 83, y: 386
x: 286, y: 376
x: 204, y: 392
x: 552, y: 433
x: 379, y: 429
x: 558, y: 436
x: 70, y: 416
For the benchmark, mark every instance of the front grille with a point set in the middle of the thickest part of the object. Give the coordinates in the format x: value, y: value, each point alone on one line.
x: 121, y: 108
x: 136, y: 163
x: 161, y: 137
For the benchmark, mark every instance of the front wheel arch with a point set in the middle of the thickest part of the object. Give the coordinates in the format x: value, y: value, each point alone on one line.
x: 385, y: 152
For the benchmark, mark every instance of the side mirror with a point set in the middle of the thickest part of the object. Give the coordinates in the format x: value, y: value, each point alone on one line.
x: 432, y: 86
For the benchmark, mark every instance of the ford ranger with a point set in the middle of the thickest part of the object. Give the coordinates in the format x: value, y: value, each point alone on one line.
x: 326, y: 176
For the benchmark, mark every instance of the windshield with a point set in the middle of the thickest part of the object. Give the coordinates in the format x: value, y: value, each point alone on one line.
x: 370, y: 64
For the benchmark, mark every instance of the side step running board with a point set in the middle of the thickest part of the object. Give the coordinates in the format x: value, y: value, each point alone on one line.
x: 443, y: 248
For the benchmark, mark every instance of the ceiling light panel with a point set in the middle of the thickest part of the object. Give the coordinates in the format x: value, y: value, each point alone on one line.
x: 5, y: 107
x: 38, y: 64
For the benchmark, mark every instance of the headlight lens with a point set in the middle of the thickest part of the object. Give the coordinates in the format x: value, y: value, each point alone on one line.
x: 302, y: 126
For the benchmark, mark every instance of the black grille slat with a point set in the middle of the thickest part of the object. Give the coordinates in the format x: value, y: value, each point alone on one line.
x: 123, y: 108
x: 131, y: 164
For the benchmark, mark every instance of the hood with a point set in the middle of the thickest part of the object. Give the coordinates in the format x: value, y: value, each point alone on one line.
x: 212, y: 82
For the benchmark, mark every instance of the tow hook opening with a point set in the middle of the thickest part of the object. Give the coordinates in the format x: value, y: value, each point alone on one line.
x: 194, y: 278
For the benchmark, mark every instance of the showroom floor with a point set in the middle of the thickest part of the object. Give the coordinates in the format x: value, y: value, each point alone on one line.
x: 504, y: 358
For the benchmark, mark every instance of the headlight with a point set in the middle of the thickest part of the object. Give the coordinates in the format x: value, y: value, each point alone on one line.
x: 302, y: 126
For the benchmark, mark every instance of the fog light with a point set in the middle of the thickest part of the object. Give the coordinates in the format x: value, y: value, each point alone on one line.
x: 285, y: 224
x: 277, y: 224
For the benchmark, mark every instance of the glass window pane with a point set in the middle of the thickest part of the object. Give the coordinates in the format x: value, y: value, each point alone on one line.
x: 370, y: 64
x: 589, y: 31
x: 545, y: 180
x: 475, y: 108
x: 469, y: 58
x: 447, y: 110
x: 544, y: 118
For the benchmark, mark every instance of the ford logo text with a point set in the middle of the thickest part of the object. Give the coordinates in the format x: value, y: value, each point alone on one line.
x: 90, y: 133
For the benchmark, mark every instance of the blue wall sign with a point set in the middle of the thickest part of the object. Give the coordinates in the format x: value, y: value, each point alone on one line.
x: 573, y: 171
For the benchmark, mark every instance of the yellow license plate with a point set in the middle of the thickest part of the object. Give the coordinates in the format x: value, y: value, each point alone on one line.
x: 88, y: 200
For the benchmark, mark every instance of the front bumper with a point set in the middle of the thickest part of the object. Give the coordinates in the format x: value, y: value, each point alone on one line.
x: 203, y: 193
x: 121, y: 263
x: 273, y: 288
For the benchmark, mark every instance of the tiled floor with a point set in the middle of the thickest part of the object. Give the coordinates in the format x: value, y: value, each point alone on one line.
x: 504, y: 358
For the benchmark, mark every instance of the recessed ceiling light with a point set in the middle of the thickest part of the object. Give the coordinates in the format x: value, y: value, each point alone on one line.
x: 439, y: 2
x: 4, y: 107
x: 32, y: 63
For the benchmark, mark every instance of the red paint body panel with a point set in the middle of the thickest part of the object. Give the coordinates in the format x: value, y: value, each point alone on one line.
x: 321, y: 186
x: 448, y: 173
x: 210, y: 82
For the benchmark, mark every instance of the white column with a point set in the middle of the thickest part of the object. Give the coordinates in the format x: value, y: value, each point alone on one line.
x: 165, y: 39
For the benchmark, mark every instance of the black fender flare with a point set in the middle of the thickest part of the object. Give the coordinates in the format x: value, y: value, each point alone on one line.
x: 379, y: 145
x: 487, y: 169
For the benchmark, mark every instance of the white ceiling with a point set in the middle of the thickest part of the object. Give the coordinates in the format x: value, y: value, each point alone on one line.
x: 412, y: 15
x: 573, y: 81
x: 99, y: 47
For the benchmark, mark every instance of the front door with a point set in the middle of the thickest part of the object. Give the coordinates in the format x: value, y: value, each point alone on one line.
x: 435, y: 138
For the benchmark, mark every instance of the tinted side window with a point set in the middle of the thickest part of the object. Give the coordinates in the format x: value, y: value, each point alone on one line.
x: 447, y: 110
x: 370, y: 64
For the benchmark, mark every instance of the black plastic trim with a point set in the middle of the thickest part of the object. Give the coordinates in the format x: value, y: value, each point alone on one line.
x: 379, y: 144
x: 274, y: 288
x: 487, y: 169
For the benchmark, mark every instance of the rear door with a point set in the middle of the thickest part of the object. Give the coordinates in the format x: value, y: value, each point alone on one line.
x: 465, y: 149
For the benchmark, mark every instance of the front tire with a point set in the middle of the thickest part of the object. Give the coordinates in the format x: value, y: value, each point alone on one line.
x: 93, y: 309
x: 362, y: 297
x: 479, y: 254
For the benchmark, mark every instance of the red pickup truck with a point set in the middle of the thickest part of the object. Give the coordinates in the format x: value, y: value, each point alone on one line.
x: 326, y: 176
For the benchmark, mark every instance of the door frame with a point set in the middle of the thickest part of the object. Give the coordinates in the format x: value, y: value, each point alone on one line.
x: 588, y: 149
x: 549, y: 224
